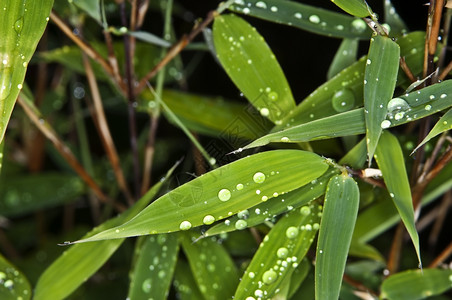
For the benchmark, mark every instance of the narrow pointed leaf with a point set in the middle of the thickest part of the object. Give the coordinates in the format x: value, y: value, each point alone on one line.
x: 252, y: 66
x: 184, y: 282
x: 416, y: 284
x: 339, y: 215
x: 150, y: 38
x: 345, y: 56
x: 213, y: 269
x: 403, y: 109
x: 223, y: 192
x: 13, y: 283
x: 267, y: 211
x: 390, y: 160
x: 280, y: 253
x: 392, y: 18
x: 444, y: 124
x: 358, y: 8
x: 22, y: 25
x: 305, y: 17
x: 154, y: 267
x: 380, y: 77
x: 79, y: 262
x: 91, y: 7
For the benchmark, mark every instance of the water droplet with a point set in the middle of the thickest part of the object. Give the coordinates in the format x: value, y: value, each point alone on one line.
x: 246, y: 10
x: 259, y: 293
x: 211, y: 267
x: 239, y: 187
x: 385, y: 124
x: 264, y: 112
x: 185, y: 225
x: 443, y: 96
x: 282, y: 252
x: 285, y: 139
x: 261, y: 4
x: 314, y: 19
x: 264, y: 198
x: 343, y: 100
x: 298, y: 15
x: 292, y: 232
x: 224, y: 194
x: 305, y: 210
x: 428, y: 107
x: 251, y: 275
x: 208, y: 220
x: 259, y: 177
x: 161, y: 274
x: 269, y: 277
x: 273, y: 96
x: 274, y: 9
x: 240, y: 224
x: 358, y: 25
x: 18, y: 25
x: 146, y: 286
x: 243, y: 214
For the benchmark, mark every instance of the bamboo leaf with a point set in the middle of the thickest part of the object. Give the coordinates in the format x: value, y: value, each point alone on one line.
x: 155, y: 262
x: 403, y: 109
x: 280, y: 253
x: 392, y: 18
x: 212, y: 267
x: 90, y: 7
x: 358, y: 8
x: 380, y: 77
x: 345, y: 56
x: 267, y: 211
x: 79, y: 262
x: 390, y: 160
x: 416, y: 284
x: 339, y: 215
x: 22, y: 25
x: 184, y: 282
x: 444, y: 124
x: 13, y: 284
x: 223, y: 192
x: 252, y: 66
x: 305, y: 17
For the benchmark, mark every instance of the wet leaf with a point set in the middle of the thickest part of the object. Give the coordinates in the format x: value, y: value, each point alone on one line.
x: 13, y: 284
x: 358, y: 8
x: 389, y: 157
x: 22, y: 25
x: 223, y: 192
x: 345, y: 56
x: 215, y: 272
x: 338, y: 220
x: 184, y: 282
x: 154, y: 266
x: 267, y: 211
x: 90, y: 7
x: 305, y: 17
x: 444, y: 124
x: 280, y: 252
x: 382, y: 65
x: 416, y: 284
x: 79, y: 262
x: 252, y: 66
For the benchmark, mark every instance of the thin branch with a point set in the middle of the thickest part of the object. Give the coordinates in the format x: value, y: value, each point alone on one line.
x: 407, y: 70
x: 104, y: 130
x: 442, y: 256
x: 149, y: 154
x: 67, y: 154
x: 396, y: 247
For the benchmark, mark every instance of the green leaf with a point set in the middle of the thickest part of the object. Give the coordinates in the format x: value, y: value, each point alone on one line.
x: 212, y: 267
x: 299, y: 275
x: 269, y: 210
x: 2, y: 148
x: 280, y: 253
x: 358, y: 8
x: 155, y: 262
x: 13, y: 284
x: 90, y: 7
x: 444, y: 124
x: 252, y: 66
x: 79, y: 262
x: 223, y: 192
x: 380, y: 77
x: 416, y: 284
x: 393, y: 19
x: 404, y: 109
x: 306, y: 17
x: 22, y: 25
x: 22, y: 194
x: 345, y: 56
x: 184, y: 282
x: 150, y: 38
x: 339, y: 215
x: 390, y: 160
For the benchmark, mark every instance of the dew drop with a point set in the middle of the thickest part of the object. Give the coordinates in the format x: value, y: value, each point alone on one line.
x: 292, y: 232
x: 343, y: 100
x: 240, y: 224
x: 298, y: 15
x: 261, y: 4
x: 246, y: 10
x: 251, y: 275
x: 269, y: 276
x: 285, y: 139
x: 282, y: 252
x: 185, y: 225
x: 305, y: 210
x: 259, y: 177
x: 239, y: 187
x: 428, y: 107
x: 265, y: 112
x: 443, y: 96
x: 385, y: 124
x: 273, y: 96
x: 209, y: 219
x: 146, y: 286
x: 243, y: 214
x: 18, y: 25
x: 274, y: 9
x: 224, y: 194
x: 358, y: 25
x: 314, y: 19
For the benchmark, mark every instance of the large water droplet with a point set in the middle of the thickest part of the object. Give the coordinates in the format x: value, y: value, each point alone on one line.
x: 282, y: 252
x: 292, y: 232
x: 18, y: 25
x: 208, y: 220
x: 240, y: 224
x: 397, y: 108
x: 314, y: 19
x: 343, y: 100
x: 385, y: 124
x: 224, y: 194
x: 305, y: 210
x: 185, y: 225
x: 269, y: 276
x: 358, y: 25
x: 146, y: 286
x: 259, y: 177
